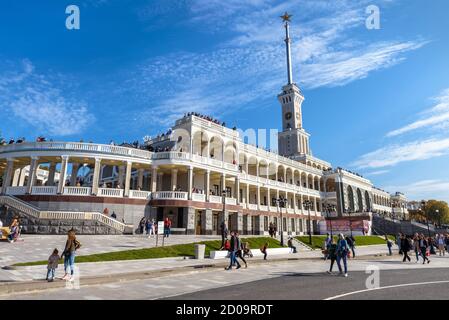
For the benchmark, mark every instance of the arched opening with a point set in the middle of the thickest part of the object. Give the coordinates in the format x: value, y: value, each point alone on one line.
x: 216, y: 148
x: 367, y: 202
x: 200, y: 141
x: 350, y: 199
x: 359, y: 200
x: 310, y: 181
x: 242, y: 162
x: 330, y: 185
x: 230, y: 153
x: 304, y: 179
x: 289, y: 174
x: 281, y: 172
x: 272, y: 171
x: 252, y: 166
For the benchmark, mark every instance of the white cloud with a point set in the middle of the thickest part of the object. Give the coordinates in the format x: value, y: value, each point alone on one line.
x: 437, y: 117
x: 396, y: 153
x: 249, y: 68
x: 425, y: 189
x: 35, y: 99
x: 377, y: 173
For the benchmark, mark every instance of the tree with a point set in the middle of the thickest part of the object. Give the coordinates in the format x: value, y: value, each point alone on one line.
x: 437, y: 211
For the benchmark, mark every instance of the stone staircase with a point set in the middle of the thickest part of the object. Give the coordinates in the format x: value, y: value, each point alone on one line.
x: 35, y: 220
x: 300, y: 246
x: 382, y: 226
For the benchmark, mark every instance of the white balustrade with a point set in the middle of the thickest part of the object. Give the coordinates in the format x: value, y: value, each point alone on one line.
x: 215, y: 199
x: 230, y: 166
x: 272, y: 182
x: 232, y: 201
x: 139, y: 194
x: 198, y: 197
x: 263, y: 208
x: 16, y: 191
x: 109, y: 192
x: 263, y: 180
x: 252, y: 206
x: 273, y: 209
x: 290, y: 210
x: 216, y: 163
x: 170, y: 195
x: 43, y: 190
x: 77, y: 191
x: 252, y: 178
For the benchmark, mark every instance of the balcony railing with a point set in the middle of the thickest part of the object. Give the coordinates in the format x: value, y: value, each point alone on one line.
x: 252, y: 206
x: 16, y: 191
x: 231, y: 201
x: 198, y: 197
x: 263, y: 208
x: 108, y: 192
x: 139, y: 194
x: 77, y: 191
x: 215, y: 199
x: 43, y: 190
x: 170, y: 195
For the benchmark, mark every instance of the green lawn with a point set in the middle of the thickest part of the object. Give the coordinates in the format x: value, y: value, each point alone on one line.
x: 179, y: 250
x: 318, y: 241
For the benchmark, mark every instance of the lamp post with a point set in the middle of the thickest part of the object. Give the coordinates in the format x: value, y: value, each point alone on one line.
x: 280, y: 203
x: 423, y: 203
x: 223, y: 195
x: 330, y: 208
x: 308, y: 204
x: 350, y: 221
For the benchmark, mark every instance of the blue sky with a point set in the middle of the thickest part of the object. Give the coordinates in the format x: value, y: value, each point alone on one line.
x: 377, y: 101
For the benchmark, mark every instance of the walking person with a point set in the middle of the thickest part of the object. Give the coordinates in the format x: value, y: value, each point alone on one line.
x: 264, y: 250
x: 332, y: 254
x: 327, y: 244
x: 142, y: 225
x: 398, y: 242
x: 441, y: 243
x: 271, y: 229
x: 70, y: 248
x: 405, y: 246
x: 342, y: 254
x: 416, y: 247
x: 234, y: 247
x: 351, y: 243
x: 389, y: 245
x: 150, y: 227
x: 240, y: 250
x: 53, y: 260
x: 167, y: 226
x: 423, y: 247
x: 224, y: 234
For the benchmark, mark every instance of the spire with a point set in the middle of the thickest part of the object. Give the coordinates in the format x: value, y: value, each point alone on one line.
x: 286, y: 19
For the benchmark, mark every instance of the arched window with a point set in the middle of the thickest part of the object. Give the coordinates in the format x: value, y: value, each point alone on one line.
x: 351, y: 199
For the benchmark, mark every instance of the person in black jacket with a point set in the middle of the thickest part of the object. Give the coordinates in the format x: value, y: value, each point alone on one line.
x: 234, y: 248
x: 405, y: 246
x: 224, y: 233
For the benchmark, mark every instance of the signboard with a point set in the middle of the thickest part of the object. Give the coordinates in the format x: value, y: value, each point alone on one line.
x: 160, y: 227
x: 345, y: 226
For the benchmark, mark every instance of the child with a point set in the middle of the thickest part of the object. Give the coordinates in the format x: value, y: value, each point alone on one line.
x: 52, y: 265
x: 264, y: 250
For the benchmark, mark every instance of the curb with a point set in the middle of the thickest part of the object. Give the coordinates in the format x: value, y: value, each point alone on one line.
x: 42, y: 285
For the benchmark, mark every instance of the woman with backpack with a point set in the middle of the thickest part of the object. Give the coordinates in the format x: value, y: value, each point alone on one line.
x: 342, y: 253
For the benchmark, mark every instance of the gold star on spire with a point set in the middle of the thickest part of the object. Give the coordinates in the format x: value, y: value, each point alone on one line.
x: 286, y: 17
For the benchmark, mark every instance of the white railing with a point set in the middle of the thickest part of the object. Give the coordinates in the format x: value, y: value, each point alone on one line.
x: 252, y: 206
x: 77, y: 191
x: 16, y: 191
x: 171, y: 155
x: 217, y: 163
x: 252, y: 178
x: 139, y: 194
x: 230, y: 166
x: 43, y: 190
x: 77, y: 146
x: 263, y: 208
x: 273, y: 209
x: 281, y: 184
x: 198, y: 197
x: 109, y: 192
x: 172, y: 195
x: 290, y: 210
x: 215, y: 199
x: 272, y: 182
x: 60, y: 215
x: 263, y: 180
x: 231, y: 201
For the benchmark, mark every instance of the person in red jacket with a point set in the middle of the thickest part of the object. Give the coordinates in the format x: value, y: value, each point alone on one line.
x: 167, y: 226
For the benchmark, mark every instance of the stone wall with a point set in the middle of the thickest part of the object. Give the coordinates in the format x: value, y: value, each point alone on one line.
x: 46, y: 226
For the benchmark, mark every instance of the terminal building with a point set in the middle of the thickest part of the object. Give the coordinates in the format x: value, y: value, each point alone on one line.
x: 198, y: 174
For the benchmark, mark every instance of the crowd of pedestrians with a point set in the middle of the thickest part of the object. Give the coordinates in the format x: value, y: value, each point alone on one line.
x: 422, y: 246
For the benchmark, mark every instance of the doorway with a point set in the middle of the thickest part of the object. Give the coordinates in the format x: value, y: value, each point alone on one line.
x: 198, y: 222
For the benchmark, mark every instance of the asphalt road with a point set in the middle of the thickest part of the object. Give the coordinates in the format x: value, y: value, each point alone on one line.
x: 411, y: 284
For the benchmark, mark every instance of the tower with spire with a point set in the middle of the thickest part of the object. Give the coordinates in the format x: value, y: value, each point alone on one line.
x: 293, y: 141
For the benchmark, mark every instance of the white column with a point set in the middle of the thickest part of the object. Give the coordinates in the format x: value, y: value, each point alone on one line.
x: 15, y: 179
x: 51, y: 174
x: 22, y: 177
x: 237, y: 189
x: 63, y: 174
x: 174, y: 179
x: 258, y: 197
x: 32, y: 174
x: 129, y: 166
x: 247, y: 196
x: 121, y: 175
x: 98, y: 168
x: 223, y: 182
x: 140, y: 178
x: 207, y: 184
x: 8, y: 175
x: 160, y: 176
x: 153, y: 179
x: 74, y: 174
x: 268, y: 199
x: 190, y: 182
